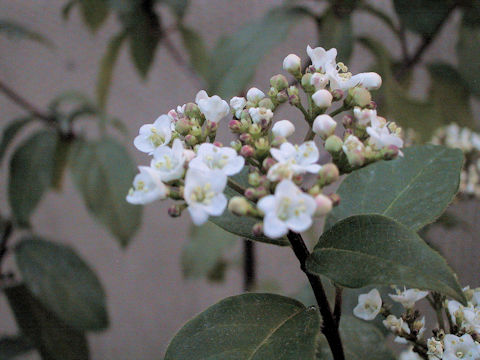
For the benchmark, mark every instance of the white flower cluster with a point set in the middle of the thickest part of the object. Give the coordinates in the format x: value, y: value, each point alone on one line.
x: 410, y: 329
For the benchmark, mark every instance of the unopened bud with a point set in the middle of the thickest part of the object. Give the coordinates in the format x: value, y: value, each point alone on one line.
x: 324, y: 126
x: 328, y: 174
x: 322, y: 98
x: 333, y: 144
x: 246, y: 138
x: 175, y: 210
x: 268, y: 163
x: 278, y: 140
x: 196, y: 130
x: 250, y: 193
x: 262, y: 144
x: 254, y: 129
x: 390, y: 152
x: 355, y: 158
x: 192, y: 111
x: 293, y: 64
x: 335, y: 198
x: 283, y: 128
x: 211, y: 127
x: 358, y: 96
x: 324, y: 205
x: 282, y: 96
x: 247, y: 151
x: 236, y: 145
x: 254, y: 179
x: 279, y: 82
x: 234, y: 126
x: 337, y: 94
x: 218, y: 143
x: 257, y: 229
x: 307, y: 83
x: 191, y: 140
x: 237, y: 103
x: 272, y: 93
x: 183, y: 126
x: 372, y: 105
x: 348, y: 121
x: 266, y: 103
x: 239, y: 206
x: 319, y: 81
x: 254, y: 95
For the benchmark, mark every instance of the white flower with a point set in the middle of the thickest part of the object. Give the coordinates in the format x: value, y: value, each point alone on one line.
x: 409, y: 355
x: 319, y: 81
x: 369, y: 305
x: 294, y: 159
x: 460, y: 347
x: 151, y: 136
x: 322, y: 98
x: 381, y: 136
x: 364, y: 116
x: 214, y: 108
x: 211, y: 157
x: 254, y: 95
x: 435, y: 348
x: 168, y: 162
x: 321, y: 57
x: 260, y: 113
x: 352, y: 144
x: 368, y: 80
x: 238, y: 104
x: 204, y: 194
x: 409, y: 297
x: 202, y: 94
x: 283, y: 128
x: 324, y: 126
x: 289, y: 209
x: 292, y: 63
x: 396, y: 325
x: 147, y: 187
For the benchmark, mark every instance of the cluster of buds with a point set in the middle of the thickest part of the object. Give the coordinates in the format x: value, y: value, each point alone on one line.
x: 469, y: 142
x: 409, y: 328
x: 286, y: 183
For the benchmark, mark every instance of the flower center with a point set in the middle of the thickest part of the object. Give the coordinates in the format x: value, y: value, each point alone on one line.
x: 166, y: 163
x: 202, y: 194
x: 156, y: 138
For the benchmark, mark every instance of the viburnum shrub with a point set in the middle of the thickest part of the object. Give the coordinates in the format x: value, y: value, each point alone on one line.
x: 266, y: 188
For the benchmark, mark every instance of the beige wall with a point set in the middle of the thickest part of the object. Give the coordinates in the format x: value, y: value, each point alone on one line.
x: 147, y: 298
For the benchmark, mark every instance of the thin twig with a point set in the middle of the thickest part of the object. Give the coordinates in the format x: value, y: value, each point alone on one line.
x: 337, y: 311
x: 249, y: 276
x: 8, y: 228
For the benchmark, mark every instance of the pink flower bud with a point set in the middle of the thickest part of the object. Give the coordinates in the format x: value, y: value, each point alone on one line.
x: 247, y: 151
x: 257, y: 229
x: 292, y: 63
x: 322, y: 98
x: 268, y: 163
x: 324, y: 205
x: 218, y: 143
x: 324, y: 126
x: 234, y: 126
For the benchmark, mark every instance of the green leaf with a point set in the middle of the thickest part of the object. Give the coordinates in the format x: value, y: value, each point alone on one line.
x: 67, y: 8
x: 236, y: 56
x: 376, y: 250
x: 62, y: 151
x: 451, y: 95
x: 18, y: 31
x: 242, y: 225
x: 10, y: 131
x: 103, y: 171
x: 407, y: 189
x: 362, y: 340
x: 31, y: 171
x: 194, y: 44
x: 179, y: 7
x: 13, y: 346
x: 336, y: 32
x: 468, y: 54
x: 53, y: 339
x: 423, y: 16
x: 94, y: 13
x: 204, y: 250
x: 107, y: 65
x: 249, y: 326
x: 63, y: 283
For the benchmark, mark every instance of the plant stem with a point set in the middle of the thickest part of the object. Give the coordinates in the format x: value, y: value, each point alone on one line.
x: 329, y: 325
x: 235, y: 186
x: 8, y: 228
x: 310, y: 135
x: 337, y: 311
x: 249, y: 274
x: 338, y: 111
x: 25, y: 104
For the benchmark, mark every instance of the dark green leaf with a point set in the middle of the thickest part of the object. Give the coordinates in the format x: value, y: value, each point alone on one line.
x: 178, y: 6
x: 13, y: 346
x: 10, y: 131
x: 236, y: 56
x: 94, y: 13
x: 204, y: 249
x: 31, y: 171
x: 63, y: 283
x: 374, y: 249
x: 62, y: 151
x: 336, y: 32
x: 53, y: 339
x: 361, y: 340
x: 103, y: 171
x: 249, y: 326
x: 107, y: 66
x: 15, y: 30
x: 423, y: 16
x: 408, y: 189
x: 194, y: 44
x: 468, y: 54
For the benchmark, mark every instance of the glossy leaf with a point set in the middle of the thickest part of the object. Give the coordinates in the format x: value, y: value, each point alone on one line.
x: 103, y: 172
x: 52, y: 338
x: 18, y: 31
x: 407, y: 189
x: 469, y: 52
x: 13, y: 346
x: 94, y: 13
x: 204, y: 250
x: 63, y: 283
x: 249, y: 326
x: 242, y: 51
x: 107, y: 65
x: 197, y: 50
x: 31, y: 171
x: 361, y: 340
x: 376, y: 250
x: 10, y: 131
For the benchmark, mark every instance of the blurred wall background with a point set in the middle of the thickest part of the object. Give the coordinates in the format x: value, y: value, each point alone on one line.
x: 148, y: 300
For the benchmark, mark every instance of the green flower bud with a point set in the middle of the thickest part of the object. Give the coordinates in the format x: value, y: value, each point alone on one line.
x: 191, y: 140
x: 196, y: 130
x: 307, y: 83
x: 333, y: 144
x: 328, y: 174
x: 279, y: 82
x: 239, y: 206
x: 254, y: 179
x: 266, y: 103
x: 254, y: 129
x: 236, y: 145
x: 183, y: 126
x: 358, y: 96
x: 192, y: 110
x: 293, y: 97
x: 282, y: 96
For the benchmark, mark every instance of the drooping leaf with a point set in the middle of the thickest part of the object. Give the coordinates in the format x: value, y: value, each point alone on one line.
x: 407, y: 189
x: 204, y: 250
x: 197, y: 50
x: 373, y: 249
x: 31, y: 171
x: 423, y: 16
x: 94, y: 13
x: 237, y: 55
x: 361, y: 340
x: 10, y: 131
x: 52, y: 338
x: 107, y: 65
x: 336, y: 32
x: 13, y: 346
x: 103, y: 171
x: 18, y: 31
x: 63, y: 283
x: 469, y: 52
x: 249, y: 326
